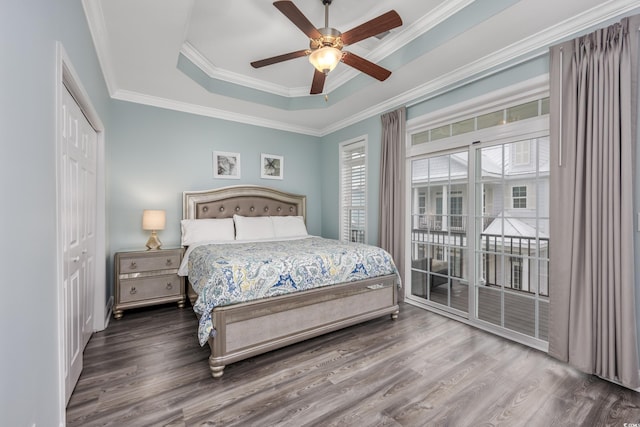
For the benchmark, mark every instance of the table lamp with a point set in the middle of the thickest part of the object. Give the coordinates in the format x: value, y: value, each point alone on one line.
x: 153, y: 220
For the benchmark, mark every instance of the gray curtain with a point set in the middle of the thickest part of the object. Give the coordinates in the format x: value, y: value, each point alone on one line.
x: 392, y: 190
x: 592, y: 313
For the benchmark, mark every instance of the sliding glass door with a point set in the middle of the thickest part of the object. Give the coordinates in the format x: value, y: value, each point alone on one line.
x: 479, y: 222
x: 512, y: 244
x: 439, y: 243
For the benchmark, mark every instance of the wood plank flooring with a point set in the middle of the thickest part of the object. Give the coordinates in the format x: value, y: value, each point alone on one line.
x: 421, y: 370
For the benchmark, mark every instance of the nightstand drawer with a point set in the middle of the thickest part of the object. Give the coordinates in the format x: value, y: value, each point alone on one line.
x: 149, y: 287
x: 132, y: 264
x: 144, y: 278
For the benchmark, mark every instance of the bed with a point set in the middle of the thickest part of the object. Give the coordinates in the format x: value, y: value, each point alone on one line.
x: 241, y: 329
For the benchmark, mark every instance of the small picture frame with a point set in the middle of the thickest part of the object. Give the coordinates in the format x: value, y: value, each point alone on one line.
x: 271, y: 166
x: 226, y: 165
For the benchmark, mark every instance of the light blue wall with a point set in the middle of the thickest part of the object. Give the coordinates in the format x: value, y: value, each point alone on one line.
x: 492, y: 82
x: 371, y: 128
x: 29, y: 389
x: 155, y: 154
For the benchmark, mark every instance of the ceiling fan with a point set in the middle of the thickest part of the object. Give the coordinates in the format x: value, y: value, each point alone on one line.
x: 325, y: 44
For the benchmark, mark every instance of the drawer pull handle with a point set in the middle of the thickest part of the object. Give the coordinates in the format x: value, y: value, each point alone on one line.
x: 169, y: 285
x: 133, y: 290
x: 133, y: 265
x: 169, y: 262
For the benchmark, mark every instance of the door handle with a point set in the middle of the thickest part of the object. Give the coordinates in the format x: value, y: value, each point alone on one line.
x: 75, y: 259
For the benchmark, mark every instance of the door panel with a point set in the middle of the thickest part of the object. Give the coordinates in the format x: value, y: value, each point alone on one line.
x: 78, y: 151
x: 512, y: 182
x: 439, y: 255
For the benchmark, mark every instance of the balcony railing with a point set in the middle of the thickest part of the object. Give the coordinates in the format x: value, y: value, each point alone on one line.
x: 356, y: 236
x: 502, y: 262
x: 453, y: 223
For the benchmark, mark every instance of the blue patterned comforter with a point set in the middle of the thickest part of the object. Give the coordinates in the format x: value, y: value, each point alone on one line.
x: 224, y: 274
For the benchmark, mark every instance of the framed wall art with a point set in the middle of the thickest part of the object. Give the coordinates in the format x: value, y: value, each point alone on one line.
x: 272, y: 166
x: 226, y: 165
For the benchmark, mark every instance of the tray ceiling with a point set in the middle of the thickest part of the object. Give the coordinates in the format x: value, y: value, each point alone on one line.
x: 194, y: 55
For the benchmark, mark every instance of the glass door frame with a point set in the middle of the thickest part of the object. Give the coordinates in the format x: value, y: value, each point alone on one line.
x: 472, y: 142
x: 468, y: 249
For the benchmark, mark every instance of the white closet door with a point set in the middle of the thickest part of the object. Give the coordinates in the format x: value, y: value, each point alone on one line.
x: 78, y: 198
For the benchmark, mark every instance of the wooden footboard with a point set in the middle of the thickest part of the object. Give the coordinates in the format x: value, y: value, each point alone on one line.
x: 248, y: 329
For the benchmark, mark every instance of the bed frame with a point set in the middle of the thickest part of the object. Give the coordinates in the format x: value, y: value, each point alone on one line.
x: 248, y: 329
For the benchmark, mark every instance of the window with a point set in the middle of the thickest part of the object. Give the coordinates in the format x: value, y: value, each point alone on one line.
x: 455, y: 206
x: 422, y: 203
x: 453, y: 217
x: 516, y: 273
x: 484, y: 202
x: 519, y: 196
x: 353, y: 190
x: 521, y: 153
x: 500, y: 117
x: 438, y: 225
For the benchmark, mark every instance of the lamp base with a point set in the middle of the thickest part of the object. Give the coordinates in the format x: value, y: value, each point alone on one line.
x: 154, y: 242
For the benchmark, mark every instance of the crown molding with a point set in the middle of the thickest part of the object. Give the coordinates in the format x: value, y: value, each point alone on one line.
x: 98, y: 30
x: 517, y: 53
x: 391, y: 43
x: 458, y: 78
x: 439, y: 14
x: 522, y: 51
x: 199, y: 60
x: 186, y: 107
x: 397, y: 40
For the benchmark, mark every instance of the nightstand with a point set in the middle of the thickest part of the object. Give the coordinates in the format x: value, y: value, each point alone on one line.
x: 146, y: 278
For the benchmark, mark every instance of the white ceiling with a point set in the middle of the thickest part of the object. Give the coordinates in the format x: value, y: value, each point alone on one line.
x: 194, y: 55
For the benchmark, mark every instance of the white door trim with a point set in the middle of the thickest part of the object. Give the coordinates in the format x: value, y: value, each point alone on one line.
x: 66, y: 76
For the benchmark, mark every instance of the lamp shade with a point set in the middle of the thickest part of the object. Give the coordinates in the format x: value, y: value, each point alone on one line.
x: 325, y: 59
x: 153, y: 219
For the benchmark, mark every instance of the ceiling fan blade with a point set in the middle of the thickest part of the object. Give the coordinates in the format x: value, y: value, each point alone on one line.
x: 317, y: 86
x: 279, y: 58
x: 290, y: 10
x: 382, y: 23
x: 367, y: 67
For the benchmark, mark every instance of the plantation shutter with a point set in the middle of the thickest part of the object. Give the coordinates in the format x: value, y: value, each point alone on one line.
x: 353, y: 192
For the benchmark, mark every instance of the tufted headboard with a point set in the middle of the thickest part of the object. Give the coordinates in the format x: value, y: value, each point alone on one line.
x: 245, y: 200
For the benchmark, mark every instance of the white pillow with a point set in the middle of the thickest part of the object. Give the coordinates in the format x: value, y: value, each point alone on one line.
x: 204, y: 230
x: 289, y: 226
x: 253, y: 227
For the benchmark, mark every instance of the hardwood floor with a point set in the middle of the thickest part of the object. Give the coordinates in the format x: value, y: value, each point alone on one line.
x: 519, y: 310
x: 421, y: 370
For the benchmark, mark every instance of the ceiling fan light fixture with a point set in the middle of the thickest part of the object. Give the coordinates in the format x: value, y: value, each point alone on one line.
x: 325, y: 44
x: 325, y: 59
